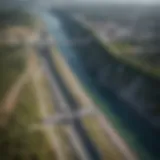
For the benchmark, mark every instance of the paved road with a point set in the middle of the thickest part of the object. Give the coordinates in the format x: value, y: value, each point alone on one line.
x: 80, y: 139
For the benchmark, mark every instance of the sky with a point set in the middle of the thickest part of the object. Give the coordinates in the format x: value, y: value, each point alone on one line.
x: 120, y: 1
x: 50, y: 3
x: 89, y: 2
x: 100, y: 1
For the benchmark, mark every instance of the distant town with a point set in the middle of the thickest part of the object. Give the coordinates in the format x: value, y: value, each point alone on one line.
x: 131, y: 33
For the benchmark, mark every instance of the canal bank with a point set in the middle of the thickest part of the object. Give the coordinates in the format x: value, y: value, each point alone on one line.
x: 114, y: 107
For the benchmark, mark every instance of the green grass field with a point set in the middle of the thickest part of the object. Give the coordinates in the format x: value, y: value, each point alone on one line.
x: 17, y: 141
x: 12, y: 64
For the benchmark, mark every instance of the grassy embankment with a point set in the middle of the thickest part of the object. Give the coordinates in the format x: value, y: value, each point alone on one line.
x: 82, y: 94
x: 134, y: 61
x: 116, y: 122
x: 119, y: 51
x: 107, y: 149
x: 17, y: 141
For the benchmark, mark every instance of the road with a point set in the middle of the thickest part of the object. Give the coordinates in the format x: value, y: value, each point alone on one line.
x: 66, y: 104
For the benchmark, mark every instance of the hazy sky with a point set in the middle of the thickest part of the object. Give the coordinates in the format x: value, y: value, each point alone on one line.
x: 50, y: 3
x: 124, y: 1
x: 79, y: 2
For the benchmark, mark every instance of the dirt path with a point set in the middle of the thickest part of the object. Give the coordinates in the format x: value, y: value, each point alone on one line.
x: 9, y: 102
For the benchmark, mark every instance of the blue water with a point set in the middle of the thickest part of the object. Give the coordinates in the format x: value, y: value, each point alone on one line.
x: 68, y: 52
x: 57, y: 32
x: 145, y: 133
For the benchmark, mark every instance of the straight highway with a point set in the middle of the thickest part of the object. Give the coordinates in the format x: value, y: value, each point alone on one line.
x: 66, y: 104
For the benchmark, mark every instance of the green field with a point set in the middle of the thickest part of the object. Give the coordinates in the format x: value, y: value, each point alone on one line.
x: 12, y: 65
x: 17, y: 141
